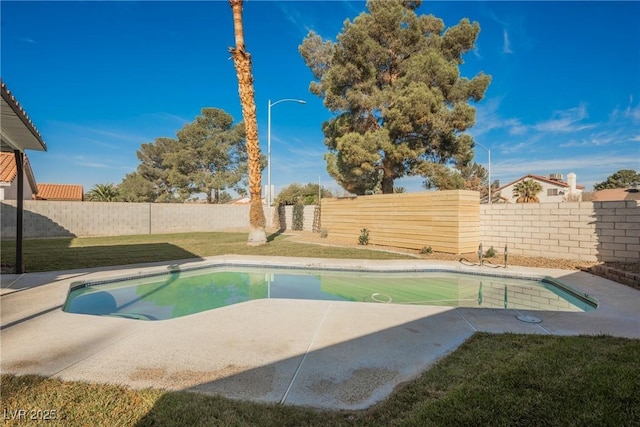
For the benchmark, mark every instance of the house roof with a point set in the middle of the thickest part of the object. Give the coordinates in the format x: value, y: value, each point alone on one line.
x: 60, y: 192
x: 17, y: 131
x: 613, y: 194
x: 543, y: 179
x: 9, y: 170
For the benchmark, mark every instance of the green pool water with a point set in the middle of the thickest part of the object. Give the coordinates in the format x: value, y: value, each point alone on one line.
x: 183, y: 293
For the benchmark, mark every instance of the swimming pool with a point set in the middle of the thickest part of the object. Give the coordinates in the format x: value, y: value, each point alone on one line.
x: 181, y: 293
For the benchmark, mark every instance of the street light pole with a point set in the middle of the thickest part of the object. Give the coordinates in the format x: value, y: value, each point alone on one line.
x: 489, y: 155
x: 269, y: 192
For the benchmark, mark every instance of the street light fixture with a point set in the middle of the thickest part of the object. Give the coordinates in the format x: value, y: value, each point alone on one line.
x: 271, y: 104
x: 489, y: 153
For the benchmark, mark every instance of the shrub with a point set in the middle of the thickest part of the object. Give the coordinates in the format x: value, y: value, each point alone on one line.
x: 490, y: 253
x: 298, y: 217
x: 364, y: 237
x: 426, y: 250
x: 324, y: 232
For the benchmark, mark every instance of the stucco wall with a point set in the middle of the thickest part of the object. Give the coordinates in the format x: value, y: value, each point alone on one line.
x: 589, y: 231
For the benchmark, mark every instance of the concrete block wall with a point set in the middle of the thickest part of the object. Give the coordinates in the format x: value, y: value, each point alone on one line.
x: 67, y: 219
x: 587, y: 231
x: 182, y: 218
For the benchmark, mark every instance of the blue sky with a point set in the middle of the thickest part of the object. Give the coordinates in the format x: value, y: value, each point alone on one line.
x: 99, y: 79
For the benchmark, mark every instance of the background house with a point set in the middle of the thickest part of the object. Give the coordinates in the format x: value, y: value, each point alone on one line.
x: 554, y: 189
x: 70, y: 192
x: 8, y: 175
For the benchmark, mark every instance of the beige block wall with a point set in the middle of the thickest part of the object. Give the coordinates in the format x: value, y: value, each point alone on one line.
x: 588, y: 231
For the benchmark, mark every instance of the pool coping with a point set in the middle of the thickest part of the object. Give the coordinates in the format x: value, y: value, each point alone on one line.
x: 299, y: 347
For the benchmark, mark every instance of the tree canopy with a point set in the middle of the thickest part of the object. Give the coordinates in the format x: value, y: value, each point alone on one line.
x: 527, y: 191
x: 301, y: 194
x: 624, y: 178
x: 472, y: 176
x: 103, y: 193
x: 208, y: 156
x: 393, y: 83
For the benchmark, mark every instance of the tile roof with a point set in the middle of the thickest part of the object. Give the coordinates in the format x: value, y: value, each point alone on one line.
x: 60, y: 192
x: 9, y: 169
x: 613, y: 194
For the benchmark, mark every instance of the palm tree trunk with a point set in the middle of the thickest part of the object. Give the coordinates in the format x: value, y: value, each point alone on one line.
x: 242, y: 62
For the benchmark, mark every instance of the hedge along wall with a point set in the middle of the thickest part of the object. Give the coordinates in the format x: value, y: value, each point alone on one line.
x: 447, y: 221
x: 282, y: 217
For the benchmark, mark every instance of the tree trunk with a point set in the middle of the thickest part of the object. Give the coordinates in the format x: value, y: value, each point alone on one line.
x: 242, y: 62
x: 387, y: 179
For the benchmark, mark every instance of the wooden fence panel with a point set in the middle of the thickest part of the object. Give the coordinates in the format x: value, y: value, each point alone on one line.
x: 447, y: 221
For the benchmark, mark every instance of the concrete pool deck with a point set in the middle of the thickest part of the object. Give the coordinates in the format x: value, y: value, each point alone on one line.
x: 323, y: 354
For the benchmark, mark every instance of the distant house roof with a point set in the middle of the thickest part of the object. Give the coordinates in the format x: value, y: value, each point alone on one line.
x: 60, y: 192
x: 543, y: 179
x: 244, y: 201
x: 613, y: 194
x: 9, y: 170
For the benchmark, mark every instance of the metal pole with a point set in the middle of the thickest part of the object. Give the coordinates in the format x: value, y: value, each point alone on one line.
x: 269, y: 197
x: 269, y: 192
x: 19, y: 158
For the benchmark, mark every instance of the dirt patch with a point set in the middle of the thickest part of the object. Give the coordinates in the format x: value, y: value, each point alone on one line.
x: 520, y: 260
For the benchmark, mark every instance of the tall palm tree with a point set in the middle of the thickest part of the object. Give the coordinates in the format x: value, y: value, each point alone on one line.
x: 527, y: 191
x: 103, y: 193
x: 242, y: 62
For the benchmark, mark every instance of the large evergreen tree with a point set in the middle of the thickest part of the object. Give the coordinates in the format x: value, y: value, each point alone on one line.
x: 153, y: 170
x: 211, y: 156
x: 208, y: 156
x: 400, y: 106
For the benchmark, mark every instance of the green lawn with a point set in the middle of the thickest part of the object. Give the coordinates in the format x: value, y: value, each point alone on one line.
x: 497, y: 380
x: 86, y: 252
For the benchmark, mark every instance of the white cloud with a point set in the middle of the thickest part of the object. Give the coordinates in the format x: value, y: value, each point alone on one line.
x: 488, y: 119
x: 633, y: 113
x: 566, y: 121
x: 506, y: 45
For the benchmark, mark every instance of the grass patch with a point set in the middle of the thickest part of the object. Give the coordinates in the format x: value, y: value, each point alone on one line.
x: 86, y: 252
x: 491, y: 379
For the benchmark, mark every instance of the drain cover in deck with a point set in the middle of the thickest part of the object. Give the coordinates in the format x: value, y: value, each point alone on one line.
x: 528, y: 319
